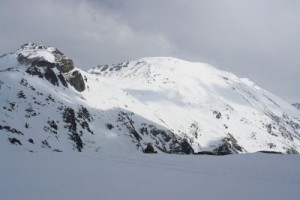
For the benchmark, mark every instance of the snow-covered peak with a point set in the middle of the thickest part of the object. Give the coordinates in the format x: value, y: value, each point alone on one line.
x: 189, y: 79
x: 152, y: 104
x: 37, y: 51
x: 44, y: 62
x: 181, y: 92
x: 36, y: 55
x: 155, y: 67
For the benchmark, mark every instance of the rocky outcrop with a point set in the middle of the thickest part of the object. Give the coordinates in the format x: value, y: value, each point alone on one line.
x: 229, y: 145
x: 40, y: 62
x: 65, y: 64
x: 76, y: 80
x: 149, y: 149
x: 43, y: 65
x: 51, y: 77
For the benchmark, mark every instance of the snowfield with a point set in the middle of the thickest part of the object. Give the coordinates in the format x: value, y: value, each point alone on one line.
x: 61, y: 176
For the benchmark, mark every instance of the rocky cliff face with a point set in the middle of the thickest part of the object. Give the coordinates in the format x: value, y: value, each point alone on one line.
x: 170, y: 105
x: 51, y: 64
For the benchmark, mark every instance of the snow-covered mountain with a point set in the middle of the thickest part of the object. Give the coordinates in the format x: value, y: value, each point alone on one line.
x: 151, y: 104
x: 297, y: 105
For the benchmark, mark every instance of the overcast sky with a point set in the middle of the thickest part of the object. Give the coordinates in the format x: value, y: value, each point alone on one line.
x: 258, y: 39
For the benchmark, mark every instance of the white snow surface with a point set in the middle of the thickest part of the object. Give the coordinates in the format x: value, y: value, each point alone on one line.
x: 93, y: 176
x: 194, y: 101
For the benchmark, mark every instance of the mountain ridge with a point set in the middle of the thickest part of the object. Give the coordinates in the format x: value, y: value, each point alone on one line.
x: 174, y: 105
x: 297, y: 105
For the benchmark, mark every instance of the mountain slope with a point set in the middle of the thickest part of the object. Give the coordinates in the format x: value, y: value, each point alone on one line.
x: 176, y: 106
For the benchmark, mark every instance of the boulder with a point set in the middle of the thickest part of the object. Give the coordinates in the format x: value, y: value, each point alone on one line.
x: 149, y: 149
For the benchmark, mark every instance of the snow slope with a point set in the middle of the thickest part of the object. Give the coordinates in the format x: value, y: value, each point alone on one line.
x: 134, y: 176
x: 204, y: 104
x: 179, y: 107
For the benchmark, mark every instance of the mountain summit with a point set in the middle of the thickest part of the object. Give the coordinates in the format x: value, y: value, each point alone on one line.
x: 151, y: 105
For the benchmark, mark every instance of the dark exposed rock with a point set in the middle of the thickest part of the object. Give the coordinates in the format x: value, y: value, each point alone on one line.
x: 65, y: 64
x: 292, y: 151
x: 85, y: 125
x: 21, y: 58
x: 35, y: 62
x: 205, y: 153
x: 76, y: 80
x: 24, y: 82
x: 224, y: 149
x: 69, y: 118
x: 30, y: 140
x: 103, y: 68
x: 62, y: 63
x: 52, y: 124
x: 62, y: 80
x: 21, y: 95
x: 186, y: 147
x: 45, y: 144
x: 50, y: 98
x: 218, y: 114
x: 57, y: 52
x: 162, y: 133
x: 77, y: 140
x: 3, y: 55
x: 42, y: 63
x: 271, y: 152
x: 14, y: 141
x: 32, y: 88
x: 83, y: 113
x: 30, y: 112
x: 10, y: 129
x: 125, y: 118
x: 229, y: 146
x: 109, y: 126
x: 51, y: 77
x: 83, y: 117
x: 166, y: 140
x: 34, y: 71
x: 1, y: 83
x: 12, y: 105
x: 149, y: 149
x: 57, y: 150
x: 271, y: 145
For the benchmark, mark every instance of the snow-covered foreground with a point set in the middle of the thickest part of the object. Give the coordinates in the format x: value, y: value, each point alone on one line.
x: 139, y: 176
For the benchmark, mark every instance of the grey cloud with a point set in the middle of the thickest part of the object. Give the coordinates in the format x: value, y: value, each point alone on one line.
x: 258, y: 39
x: 82, y: 30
